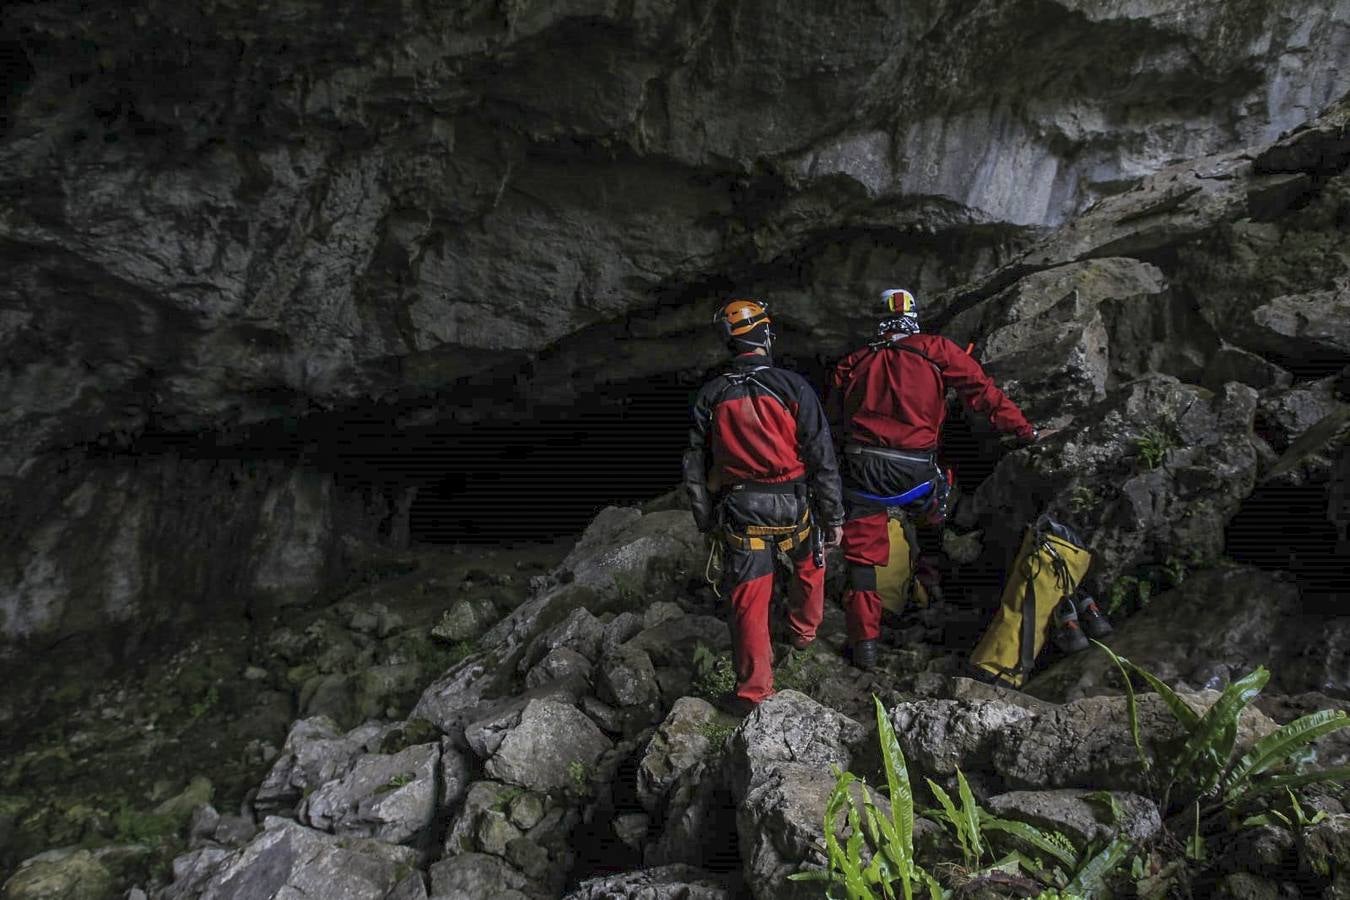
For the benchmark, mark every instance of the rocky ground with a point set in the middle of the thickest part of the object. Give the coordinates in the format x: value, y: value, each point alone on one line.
x: 566, y: 747
x: 204, y: 719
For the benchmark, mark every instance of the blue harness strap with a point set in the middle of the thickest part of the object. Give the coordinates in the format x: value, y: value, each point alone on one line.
x: 914, y: 494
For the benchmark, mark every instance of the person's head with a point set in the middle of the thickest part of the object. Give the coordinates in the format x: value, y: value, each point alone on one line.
x: 900, y: 314
x: 744, y: 325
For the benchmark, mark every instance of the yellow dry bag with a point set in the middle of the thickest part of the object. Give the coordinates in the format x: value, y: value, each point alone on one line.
x: 1048, y: 568
x: 895, y: 580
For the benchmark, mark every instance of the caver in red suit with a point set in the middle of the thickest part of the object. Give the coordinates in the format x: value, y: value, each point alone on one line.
x: 761, y: 477
x: 887, y: 403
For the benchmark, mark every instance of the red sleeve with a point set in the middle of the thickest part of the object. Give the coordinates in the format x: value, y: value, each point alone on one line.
x: 977, y: 390
x: 834, y: 399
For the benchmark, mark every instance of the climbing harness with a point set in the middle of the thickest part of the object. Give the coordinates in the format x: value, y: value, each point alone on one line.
x: 781, y: 538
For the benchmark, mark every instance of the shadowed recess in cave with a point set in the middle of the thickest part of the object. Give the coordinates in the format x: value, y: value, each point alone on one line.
x: 1285, y: 527
x: 546, y: 476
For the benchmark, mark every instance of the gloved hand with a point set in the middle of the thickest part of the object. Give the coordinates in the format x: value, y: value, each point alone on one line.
x: 833, y: 535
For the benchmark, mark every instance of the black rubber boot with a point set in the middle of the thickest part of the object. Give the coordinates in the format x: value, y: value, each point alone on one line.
x: 1094, y: 621
x: 1070, y: 638
x: 864, y: 655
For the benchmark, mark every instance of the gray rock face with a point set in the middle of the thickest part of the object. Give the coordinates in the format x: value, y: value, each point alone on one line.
x: 1218, y: 625
x: 781, y: 779
x: 1076, y: 817
x: 1085, y: 744
x: 315, y: 753
x: 552, y: 742
x: 389, y: 797
x: 1158, y: 464
x: 470, y: 876
x: 938, y: 736
x: 288, y: 859
x: 674, y: 882
x: 680, y: 743
x: 67, y: 874
x: 88, y: 546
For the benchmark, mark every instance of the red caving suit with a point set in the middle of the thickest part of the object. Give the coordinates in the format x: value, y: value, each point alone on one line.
x: 760, y: 456
x: 887, y: 403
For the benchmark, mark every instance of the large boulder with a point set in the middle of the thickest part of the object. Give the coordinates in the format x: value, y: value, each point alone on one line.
x: 1056, y: 340
x: 620, y: 559
x: 391, y: 797
x: 289, y: 859
x: 470, y: 876
x: 64, y: 874
x: 552, y: 746
x: 1085, y: 744
x: 315, y: 753
x: 781, y: 770
x: 940, y: 736
x: 673, y: 882
x: 681, y: 742
x: 1218, y: 625
x: 1157, y: 464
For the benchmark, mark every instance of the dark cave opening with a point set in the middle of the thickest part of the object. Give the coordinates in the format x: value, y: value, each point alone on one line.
x: 16, y: 71
x: 547, y: 476
x: 1285, y: 527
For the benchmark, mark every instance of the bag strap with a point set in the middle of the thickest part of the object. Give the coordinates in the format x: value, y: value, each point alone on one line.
x: 901, y: 345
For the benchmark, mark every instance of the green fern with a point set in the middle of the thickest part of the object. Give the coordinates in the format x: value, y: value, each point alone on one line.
x: 1204, y: 767
x: 886, y: 843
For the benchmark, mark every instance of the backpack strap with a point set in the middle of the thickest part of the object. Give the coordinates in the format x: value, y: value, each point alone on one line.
x: 901, y: 345
x: 738, y: 378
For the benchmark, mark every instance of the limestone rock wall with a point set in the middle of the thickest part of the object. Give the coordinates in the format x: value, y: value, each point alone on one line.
x: 225, y: 213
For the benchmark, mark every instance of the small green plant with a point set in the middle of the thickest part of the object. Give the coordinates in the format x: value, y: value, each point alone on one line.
x: 1296, y: 820
x: 714, y: 674
x: 1048, y: 856
x: 206, y: 704
x: 507, y: 796
x: 1152, y: 445
x: 1174, y: 570
x: 580, y: 775
x: 880, y: 853
x: 131, y: 826
x: 1128, y: 594
x: 801, y: 671
x: 1083, y: 499
x: 717, y: 733
x: 1197, y: 850
x: 1205, y: 770
x: 876, y: 858
x: 400, y: 780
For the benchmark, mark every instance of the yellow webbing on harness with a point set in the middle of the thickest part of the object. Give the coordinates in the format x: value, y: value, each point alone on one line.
x: 755, y: 535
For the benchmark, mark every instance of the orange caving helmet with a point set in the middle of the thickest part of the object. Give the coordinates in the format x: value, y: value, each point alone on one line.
x: 744, y: 321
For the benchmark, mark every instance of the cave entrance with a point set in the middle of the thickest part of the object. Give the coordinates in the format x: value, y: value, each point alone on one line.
x: 1285, y: 527
x: 546, y: 476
